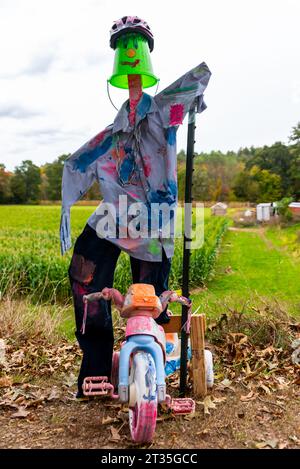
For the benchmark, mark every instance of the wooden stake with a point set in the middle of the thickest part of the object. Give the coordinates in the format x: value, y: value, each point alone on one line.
x: 198, y: 360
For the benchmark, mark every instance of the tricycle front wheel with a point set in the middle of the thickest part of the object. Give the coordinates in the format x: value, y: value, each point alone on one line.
x: 142, y: 398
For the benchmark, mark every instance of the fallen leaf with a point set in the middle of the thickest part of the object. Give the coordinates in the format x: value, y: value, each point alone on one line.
x: 220, y: 399
x: 282, y: 445
x: 272, y: 443
x: 260, y: 445
x: 265, y: 388
x: 193, y: 415
x: 248, y: 397
x: 54, y: 394
x: 5, y: 382
x: 70, y: 380
x: 226, y: 383
x: 123, y: 415
x: 256, y: 372
x: 203, y: 432
x: 58, y: 430
x: 207, y: 404
x: 107, y: 420
x: 294, y: 439
x: 35, y: 403
x: 115, y: 436
x: 21, y: 413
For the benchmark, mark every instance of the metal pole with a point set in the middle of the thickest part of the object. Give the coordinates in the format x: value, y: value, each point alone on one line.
x: 186, y: 242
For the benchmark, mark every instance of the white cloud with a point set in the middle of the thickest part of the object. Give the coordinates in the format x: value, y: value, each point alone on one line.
x: 55, y: 60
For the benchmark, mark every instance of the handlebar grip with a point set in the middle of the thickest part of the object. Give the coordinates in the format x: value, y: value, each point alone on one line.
x: 92, y: 297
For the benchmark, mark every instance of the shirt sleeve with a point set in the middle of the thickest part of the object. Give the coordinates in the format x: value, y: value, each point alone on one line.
x: 79, y: 173
x: 176, y: 100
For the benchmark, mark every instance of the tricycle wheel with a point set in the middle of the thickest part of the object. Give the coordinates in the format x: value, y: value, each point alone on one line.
x: 115, y: 370
x: 209, y: 368
x: 143, y: 398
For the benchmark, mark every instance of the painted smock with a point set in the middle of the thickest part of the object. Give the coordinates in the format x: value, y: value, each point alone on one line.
x: 136, y: 161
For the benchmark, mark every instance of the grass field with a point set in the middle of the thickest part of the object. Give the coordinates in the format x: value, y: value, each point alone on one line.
x: 255, y: 267
x: 31, y: 264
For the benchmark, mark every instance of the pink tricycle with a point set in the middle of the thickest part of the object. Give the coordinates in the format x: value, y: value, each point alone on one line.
x: 138, y: 373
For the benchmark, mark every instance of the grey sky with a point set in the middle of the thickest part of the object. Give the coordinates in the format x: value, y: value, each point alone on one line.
x: 55, y: 60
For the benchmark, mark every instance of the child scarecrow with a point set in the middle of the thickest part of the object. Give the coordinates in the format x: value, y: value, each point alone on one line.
x: 134, y: 161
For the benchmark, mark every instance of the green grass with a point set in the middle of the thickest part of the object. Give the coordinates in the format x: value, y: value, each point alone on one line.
x: 287, y: 239
x: 253, y: 268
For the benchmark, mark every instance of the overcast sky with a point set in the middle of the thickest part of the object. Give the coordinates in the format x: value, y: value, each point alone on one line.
x: 55, y: 60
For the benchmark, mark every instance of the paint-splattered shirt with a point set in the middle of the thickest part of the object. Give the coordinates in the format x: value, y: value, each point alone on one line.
x: 135, y: 161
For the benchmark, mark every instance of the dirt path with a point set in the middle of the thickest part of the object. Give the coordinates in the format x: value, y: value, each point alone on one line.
x: 235, y: 422
x: 245, y: 230
x: 255, y: 402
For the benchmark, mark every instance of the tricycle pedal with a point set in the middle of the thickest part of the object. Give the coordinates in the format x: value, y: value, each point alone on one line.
x: 97, y: 386
x: 182, y: 406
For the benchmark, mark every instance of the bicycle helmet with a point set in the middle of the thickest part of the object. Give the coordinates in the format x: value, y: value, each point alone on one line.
x: 130, y: 24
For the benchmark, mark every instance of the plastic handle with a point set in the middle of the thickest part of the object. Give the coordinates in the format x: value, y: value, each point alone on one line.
x: 92, y: 297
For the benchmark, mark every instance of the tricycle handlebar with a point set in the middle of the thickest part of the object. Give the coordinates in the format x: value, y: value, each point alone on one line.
x: 92, y: 297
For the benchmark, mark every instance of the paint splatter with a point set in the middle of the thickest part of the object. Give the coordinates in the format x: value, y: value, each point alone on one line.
x: 166, y: 195
x: 127, y: 167
x: 129, y: 243
x: 79, y: 290
x: 133, y: 195
x: 163, y: 151
x: 97, y: 139
x: 89, y: 156
x: 147, y: 165
x: 126, y: 170
x: 110, y: 168
x: 82, y: 269
x: 118, y: 153
x: 171, y: 135
x: 154, y: 247
x: 150, y: 381
x: 144, y: 105
x: 180, y: 90
x: 176, y: 114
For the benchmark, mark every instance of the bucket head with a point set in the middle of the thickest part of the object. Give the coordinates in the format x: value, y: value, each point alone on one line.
x: 132, y: 57
x: 141, y: 296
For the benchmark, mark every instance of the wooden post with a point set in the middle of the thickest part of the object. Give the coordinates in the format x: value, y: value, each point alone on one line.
x: 198, y: 360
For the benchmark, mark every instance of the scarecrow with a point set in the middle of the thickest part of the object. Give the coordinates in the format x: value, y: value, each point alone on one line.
x: 134, y: 161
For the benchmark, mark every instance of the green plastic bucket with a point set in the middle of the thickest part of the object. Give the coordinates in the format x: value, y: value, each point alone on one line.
x: 132, y: 57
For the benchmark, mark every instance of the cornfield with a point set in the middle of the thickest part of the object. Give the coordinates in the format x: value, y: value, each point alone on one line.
x: 31, y: 264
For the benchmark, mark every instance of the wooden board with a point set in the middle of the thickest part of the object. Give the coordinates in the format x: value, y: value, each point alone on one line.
x: 198, y: 360
x: 174, y: 325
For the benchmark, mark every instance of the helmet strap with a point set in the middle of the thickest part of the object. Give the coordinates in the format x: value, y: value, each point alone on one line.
x: 108, y: 94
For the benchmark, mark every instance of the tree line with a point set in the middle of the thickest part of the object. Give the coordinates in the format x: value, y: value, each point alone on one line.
x: 263, y: 174
x: 252, y: 174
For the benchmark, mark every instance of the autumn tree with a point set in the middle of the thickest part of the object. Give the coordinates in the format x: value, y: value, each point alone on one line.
x: 25, y: 183
x: 5, y: 193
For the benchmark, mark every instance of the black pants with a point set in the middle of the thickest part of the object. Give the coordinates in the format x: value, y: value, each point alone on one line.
x: 92, y: 268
